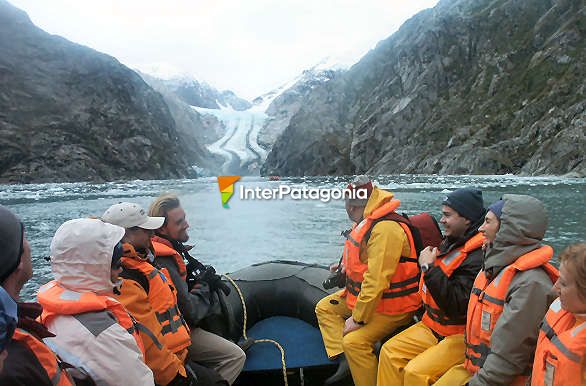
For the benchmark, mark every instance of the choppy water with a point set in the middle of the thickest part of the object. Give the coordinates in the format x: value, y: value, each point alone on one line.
x: 254, y: 231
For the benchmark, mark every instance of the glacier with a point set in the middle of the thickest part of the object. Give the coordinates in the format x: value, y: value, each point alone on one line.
x: 239, y: 146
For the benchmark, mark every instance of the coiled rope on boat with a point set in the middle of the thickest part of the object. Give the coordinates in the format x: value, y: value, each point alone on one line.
x: 281, y: 349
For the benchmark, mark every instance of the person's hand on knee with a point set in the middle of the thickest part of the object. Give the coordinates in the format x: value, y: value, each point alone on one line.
x: 350, y: 326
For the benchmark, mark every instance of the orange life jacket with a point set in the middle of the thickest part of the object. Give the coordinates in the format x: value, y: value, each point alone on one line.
x: 434, y: 317
x: 163, y: 299
x: 561, y: 349
x: 487, y: 302
x: 402, y: 294
x: 163, y: 247
x: 57, y: 300
x: 46, y: 357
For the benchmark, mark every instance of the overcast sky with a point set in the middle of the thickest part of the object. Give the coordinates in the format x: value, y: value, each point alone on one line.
x: 248, y: 46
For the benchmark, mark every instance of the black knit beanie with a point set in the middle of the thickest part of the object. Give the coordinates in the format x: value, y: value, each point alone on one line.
x: 11, y: 242
x: 467, y: 202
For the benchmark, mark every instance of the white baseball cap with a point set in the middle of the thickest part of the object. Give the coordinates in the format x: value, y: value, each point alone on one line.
x: 128, y: 215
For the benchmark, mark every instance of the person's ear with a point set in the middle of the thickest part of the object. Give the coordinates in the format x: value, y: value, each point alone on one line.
x: 20, y: 265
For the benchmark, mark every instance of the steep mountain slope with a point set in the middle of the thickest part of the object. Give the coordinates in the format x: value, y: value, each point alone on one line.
x: 483, y: 86
x: 69, y: 113
x: 206, y: 129
x: 282, y: 104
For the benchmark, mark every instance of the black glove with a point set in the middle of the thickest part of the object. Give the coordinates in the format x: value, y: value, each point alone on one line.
x: 209, y: 275
x: 214, y: 280
x: 224, y: 288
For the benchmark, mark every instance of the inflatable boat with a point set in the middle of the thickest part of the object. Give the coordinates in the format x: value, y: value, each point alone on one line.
x: 271, y: 312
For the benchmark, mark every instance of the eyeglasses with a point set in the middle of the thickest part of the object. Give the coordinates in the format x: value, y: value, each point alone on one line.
x: 117, y: 256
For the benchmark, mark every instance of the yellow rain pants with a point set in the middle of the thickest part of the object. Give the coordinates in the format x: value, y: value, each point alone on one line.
x: 456, y: 376
x: 416, y: 358
x: 357, y: 345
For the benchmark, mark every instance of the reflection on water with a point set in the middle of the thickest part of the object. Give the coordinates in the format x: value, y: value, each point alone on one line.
x: 253, y: 230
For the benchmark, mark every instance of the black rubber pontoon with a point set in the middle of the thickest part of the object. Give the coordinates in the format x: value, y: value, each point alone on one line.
x: 280, y: 298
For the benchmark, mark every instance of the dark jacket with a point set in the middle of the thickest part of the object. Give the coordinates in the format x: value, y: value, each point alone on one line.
x: 452, y: 293
x: 22, y: 367
x: 195, y: 305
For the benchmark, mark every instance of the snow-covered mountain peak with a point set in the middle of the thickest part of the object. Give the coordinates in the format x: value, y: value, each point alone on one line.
x: 164, y: 71
x: 191, y: 90
x: 323, y: 71
x: 332, y: 63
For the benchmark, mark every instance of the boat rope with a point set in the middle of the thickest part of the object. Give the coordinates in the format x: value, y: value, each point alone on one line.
x: 281, y: 349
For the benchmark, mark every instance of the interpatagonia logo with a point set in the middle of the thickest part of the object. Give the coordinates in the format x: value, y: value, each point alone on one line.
x: 226, y: 184
x: 293, y: 192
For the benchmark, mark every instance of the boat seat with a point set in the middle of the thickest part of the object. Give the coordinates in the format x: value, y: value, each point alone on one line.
x: 301, y: 341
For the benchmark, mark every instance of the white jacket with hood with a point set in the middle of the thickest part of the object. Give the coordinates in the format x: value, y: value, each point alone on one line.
x: 81, y: 256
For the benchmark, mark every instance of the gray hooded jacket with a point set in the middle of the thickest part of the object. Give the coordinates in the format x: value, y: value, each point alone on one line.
x: 513, y: 341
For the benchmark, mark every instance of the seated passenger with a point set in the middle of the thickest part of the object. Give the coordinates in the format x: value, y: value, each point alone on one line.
x: 207, y: 349
x: 423, y: 352
x: 560, y: 358
x: 509, y: 298
x: 147, y: 295
x: 28, y: 360
x: 94, y: 331
x: 381, y: 283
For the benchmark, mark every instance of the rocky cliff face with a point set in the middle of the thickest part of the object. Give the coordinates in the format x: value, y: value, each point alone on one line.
x: 205, y: 129
x: 195, y: 131
x: 282, y: 104
x: 471, y: 86
x: 69, y: 113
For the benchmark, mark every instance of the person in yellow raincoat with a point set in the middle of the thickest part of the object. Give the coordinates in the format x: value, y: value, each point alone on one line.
x: 382, y: 276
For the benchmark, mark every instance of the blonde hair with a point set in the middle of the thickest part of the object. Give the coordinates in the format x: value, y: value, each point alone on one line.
x: 163, y: 204
x: 575, y: 255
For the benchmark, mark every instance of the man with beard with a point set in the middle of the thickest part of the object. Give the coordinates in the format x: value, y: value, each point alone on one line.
x: 146, y: 293
x: 207, y: 348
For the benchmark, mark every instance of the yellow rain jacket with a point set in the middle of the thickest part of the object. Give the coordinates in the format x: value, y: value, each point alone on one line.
x: 387, y: 243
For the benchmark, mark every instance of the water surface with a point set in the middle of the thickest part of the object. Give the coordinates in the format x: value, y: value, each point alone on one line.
x: 254, y: 231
